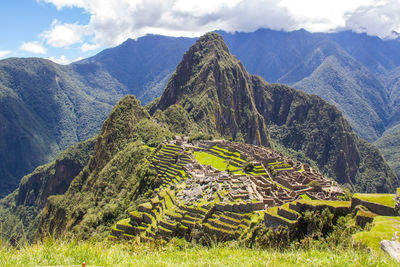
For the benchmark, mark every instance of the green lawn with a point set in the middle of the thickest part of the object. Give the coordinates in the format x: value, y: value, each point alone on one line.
x: 383, y: 199
x: 178, y: 253
x: 383, y: 228
x: 205, y: 158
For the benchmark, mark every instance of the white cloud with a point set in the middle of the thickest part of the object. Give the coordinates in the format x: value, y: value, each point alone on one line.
x: 78, y: 58
x: 112, y: 22
x: 88, y: 47
x: 321, y: 16
x: 63, y: 35
x: 33, y: 47
x: 380, y: 18
x: 61, y: 60
x: 4, y: 53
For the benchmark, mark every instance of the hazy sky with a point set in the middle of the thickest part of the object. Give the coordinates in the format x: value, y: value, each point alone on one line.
x: 67, y: 30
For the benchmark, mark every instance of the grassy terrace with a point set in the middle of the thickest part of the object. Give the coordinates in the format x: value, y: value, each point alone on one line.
x: 383, y: 199
x: 335, y: 204
x: 274, y: 212
x: 383, y: 228
x: 178, y: 253
x: 205, y: 158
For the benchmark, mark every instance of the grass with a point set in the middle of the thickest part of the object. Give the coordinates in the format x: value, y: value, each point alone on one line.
x: 383, y: 229
x: 383, y: 199
x: 205, y: 158
x: 335, y: 204
x: 179, y: 253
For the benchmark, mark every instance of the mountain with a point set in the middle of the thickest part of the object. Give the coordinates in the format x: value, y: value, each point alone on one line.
x: 142, y: 67
x: 211, y: 86
x: 342, y: 81
x: 316, y: 63
x: 44, y: 109
x: 119, y: 175
x: 114, y: 178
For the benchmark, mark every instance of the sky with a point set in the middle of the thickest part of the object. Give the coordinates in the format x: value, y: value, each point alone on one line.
x: 68, y: 30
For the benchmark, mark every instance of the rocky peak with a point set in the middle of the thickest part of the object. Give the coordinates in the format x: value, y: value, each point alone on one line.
x: 215, y: 90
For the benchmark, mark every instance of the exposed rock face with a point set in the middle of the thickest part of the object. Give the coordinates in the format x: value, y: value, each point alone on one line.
x: 220, y: 96
x: 214, y: 88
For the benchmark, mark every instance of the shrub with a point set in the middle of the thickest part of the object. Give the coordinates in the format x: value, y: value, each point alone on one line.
x: 199, y: 136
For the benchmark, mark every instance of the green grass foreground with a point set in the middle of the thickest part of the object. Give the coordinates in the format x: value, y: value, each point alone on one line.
x: 180, y: 253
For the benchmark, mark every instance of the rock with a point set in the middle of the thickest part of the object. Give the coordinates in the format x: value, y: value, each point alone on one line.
x: 392, y: 248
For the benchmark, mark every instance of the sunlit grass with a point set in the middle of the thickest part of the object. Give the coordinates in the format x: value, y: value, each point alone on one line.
x: 383, y: 228
x: 383, y: 199
x: 180, y: 254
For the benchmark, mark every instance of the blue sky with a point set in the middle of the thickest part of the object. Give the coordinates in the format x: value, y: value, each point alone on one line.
x: 25, y: 20
x: 67, y: 30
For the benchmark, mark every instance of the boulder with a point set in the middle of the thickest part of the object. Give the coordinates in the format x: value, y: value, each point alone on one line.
x: 392, y: 248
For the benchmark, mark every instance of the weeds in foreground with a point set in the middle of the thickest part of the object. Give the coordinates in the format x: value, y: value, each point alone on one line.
x: 178, y: 252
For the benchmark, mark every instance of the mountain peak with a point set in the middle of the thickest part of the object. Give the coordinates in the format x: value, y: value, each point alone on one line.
x: 210, y: 41
x: 215, y: 90
x: 206, y: 55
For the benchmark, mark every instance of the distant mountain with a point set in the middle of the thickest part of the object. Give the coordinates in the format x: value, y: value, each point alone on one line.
x: 46, y: 107
x: 141, y: 66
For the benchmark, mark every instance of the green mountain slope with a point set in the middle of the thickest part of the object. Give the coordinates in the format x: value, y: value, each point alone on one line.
x: 114, y: 179
x: 389, y: 144
x: 331, y: 73
x: 44, y: 109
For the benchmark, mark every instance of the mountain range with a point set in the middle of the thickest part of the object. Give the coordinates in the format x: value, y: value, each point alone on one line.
x: 90, y: 186
x: 46, y: 107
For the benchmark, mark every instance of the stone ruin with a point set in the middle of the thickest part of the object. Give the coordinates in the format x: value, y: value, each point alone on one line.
x: 196, y: 198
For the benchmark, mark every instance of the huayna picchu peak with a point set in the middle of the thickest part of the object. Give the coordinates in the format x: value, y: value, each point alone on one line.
x: 214, y: 88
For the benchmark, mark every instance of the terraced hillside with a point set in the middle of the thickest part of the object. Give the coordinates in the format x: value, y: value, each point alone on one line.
x: 221, y: 189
